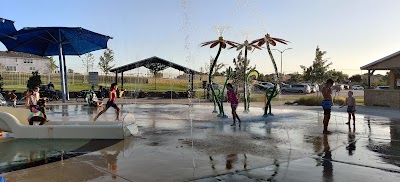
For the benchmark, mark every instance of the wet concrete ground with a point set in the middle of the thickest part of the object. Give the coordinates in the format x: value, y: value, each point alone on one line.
x: 286, y: 147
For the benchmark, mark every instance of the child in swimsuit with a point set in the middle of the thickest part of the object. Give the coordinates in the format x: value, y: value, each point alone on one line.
x: 234, y: 103
x: 36, y: 116
x: 111, y: 102
x: 327, y: 103
x: 351, y: 107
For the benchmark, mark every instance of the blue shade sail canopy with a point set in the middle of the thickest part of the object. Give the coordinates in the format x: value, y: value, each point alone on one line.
x: 45, y: 41
x: 51, y: 41
x: 7, y: 28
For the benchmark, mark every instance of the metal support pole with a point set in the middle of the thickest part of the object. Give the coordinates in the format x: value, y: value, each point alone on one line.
x: 62, y: 81
x: 66, y: 79
x: 281, y: 67
x: 281, y: 59
x: 245, y: 82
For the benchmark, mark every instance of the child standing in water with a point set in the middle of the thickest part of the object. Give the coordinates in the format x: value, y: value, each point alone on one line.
x: 327, y: 103
x: 234, y: 103
x: 351, y: 107
x: 111, y: 102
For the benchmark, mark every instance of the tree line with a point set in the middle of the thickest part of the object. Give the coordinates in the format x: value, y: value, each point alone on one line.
x: 318, y: 72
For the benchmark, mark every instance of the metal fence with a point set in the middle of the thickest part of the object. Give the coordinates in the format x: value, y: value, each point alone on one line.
x: 17, y: 78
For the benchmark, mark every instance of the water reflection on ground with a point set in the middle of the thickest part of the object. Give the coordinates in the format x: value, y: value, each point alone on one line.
x: 172, y: 153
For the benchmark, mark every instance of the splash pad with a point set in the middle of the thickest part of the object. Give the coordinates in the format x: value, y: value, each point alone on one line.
x: 270, y: 93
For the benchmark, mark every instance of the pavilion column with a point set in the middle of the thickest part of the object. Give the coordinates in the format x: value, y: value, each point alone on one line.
x: 369, y: 79
x: 392, y: 79
x: 370, y: 73
x: 192, y: 78
x: 116, y: 77
x: 122, y: 80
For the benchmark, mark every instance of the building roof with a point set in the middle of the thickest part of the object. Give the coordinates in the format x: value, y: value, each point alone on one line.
x: 153, y: 60
x: 391, y: 61
x: 20, y: 55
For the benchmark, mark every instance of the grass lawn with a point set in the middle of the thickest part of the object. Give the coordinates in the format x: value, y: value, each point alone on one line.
x: 359, y: 100
x: 179, y: 87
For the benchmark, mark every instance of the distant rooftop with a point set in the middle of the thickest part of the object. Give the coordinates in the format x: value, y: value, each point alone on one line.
x: 391, y: 61
x: 154, y: 59
x: 20, y: 55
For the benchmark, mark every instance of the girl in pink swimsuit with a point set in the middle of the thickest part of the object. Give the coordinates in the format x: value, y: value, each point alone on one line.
x: 111, y: 102
x: 234, y: 103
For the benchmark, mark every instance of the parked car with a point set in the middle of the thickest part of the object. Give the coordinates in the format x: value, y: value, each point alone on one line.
x: 346, y: 87
x: 285, y: 86
x: 2, y: 100
x: 216, y: 85
x: 297, y: 88
x: 338, y: 87
x: 357, y: 87
x: 382, y: 88
x: 265, y: 85
x: 314, y: 88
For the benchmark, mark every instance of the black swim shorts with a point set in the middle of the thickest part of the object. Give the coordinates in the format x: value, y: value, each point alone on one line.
x: 111, y: 104
x: 42, y: 120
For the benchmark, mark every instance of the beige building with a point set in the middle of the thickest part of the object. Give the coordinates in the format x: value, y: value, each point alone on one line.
x: 24, y: 63
x: 387, y: 98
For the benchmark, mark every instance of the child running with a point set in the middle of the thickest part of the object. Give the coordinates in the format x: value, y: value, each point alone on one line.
x: 111, y: 102
x: 234, y: 103
x: 351, y: 107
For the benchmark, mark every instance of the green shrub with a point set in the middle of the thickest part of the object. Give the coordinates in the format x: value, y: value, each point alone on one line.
x: 339, y: 100
x: 316, y: 101
x: 34, y: 80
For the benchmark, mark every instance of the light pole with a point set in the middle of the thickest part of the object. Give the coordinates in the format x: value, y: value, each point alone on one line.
x: 281, y: 56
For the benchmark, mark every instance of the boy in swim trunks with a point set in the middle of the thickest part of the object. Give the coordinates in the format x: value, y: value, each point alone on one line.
x: 351, y: 106
x: 327, y: 104
x: 111, y: 102
x: 234, y: 103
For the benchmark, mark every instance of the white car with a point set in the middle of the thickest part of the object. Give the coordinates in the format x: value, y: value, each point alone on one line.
x: 314, y: 88
x: 297, y: 88
x: 266, y: 85
x: 382, y: 88
x: 2, y: 100
x: 338, y: 87
x: 357, y: 87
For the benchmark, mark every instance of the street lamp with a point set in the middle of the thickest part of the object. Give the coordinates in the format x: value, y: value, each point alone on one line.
x: 281, y: 56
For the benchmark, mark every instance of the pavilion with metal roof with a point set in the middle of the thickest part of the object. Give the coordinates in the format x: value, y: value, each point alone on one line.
x: 379, y: 97
x: 390, y: 62
x: 155, y: 64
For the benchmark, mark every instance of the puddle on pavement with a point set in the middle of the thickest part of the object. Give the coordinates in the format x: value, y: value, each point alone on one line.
x: 218, y: 148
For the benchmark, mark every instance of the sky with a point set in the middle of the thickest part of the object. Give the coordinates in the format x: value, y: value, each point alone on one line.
x: 352, y: 32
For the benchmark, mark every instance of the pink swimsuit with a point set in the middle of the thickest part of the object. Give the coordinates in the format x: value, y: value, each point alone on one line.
x: 232, y: 97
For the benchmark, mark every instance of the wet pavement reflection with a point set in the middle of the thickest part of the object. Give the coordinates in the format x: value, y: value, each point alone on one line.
x: 279, y: 148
